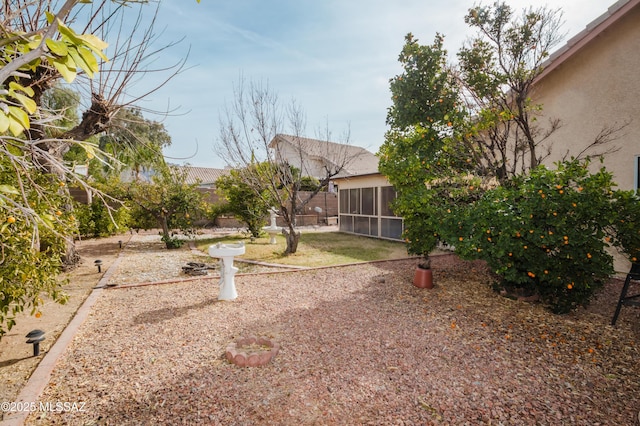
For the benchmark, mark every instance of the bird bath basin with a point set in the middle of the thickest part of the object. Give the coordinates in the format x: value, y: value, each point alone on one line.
x: 226, y: 252
x: 272, y: 229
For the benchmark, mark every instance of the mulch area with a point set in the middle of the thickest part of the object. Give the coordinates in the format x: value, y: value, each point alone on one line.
x: 359, y: 345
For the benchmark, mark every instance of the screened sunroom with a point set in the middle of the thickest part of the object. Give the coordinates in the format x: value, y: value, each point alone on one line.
x: 364, y: 207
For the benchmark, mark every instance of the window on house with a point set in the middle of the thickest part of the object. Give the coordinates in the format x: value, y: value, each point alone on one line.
x: 391, y: 228
x: 354, y: 201
x: 369, y: 201
x: 344, y: 201
x: 387, y: 195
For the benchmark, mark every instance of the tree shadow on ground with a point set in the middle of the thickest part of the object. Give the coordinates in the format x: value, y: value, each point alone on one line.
x: 170, y: 313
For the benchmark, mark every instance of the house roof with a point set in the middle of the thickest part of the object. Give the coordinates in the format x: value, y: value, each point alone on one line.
x: 359, y: 160
x: 203, y: 175
x: 592, y: 30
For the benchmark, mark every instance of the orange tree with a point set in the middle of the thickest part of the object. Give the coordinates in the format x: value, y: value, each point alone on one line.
x: 626, y: 207
x: 27, y: 270
x: 166, y: 202
x: 246, y: 203
x: 38, y: 48
x: 420, y: 147
x: 463, y: 154
x: 545, y: 233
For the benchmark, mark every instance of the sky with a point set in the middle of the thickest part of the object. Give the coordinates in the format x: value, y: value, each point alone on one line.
x: 333, y: 57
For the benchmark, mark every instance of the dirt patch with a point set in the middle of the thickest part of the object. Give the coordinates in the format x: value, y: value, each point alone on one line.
x: 16, y: 356
x: 145, y: 261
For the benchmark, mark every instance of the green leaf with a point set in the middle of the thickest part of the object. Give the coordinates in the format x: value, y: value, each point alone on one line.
x: 93, y: 42
x: 20, y: 118
x: 35, y: 41
x: 58, y: 47
x: 9, y: 189
x: 15, y: 128
x: 68, y: 33
x: 47, y: 219
x: 89, y: 59
x: 4, y: 122
x: 27, y: 102
x: 15, y: 86
x: 79, y: 60
x: 67, y: 73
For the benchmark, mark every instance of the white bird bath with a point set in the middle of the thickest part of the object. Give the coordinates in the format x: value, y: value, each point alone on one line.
x: 226, y: 252
x: 272, y: 230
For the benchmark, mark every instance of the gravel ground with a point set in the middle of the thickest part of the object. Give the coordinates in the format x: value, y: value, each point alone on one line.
x: 359, y: 345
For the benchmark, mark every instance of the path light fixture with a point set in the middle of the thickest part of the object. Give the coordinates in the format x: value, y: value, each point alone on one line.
x: 35, y: 337
x: 120, y: 243
x: 98, y: 263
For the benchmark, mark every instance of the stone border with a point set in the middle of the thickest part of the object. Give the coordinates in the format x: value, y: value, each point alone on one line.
x: 242, y: 358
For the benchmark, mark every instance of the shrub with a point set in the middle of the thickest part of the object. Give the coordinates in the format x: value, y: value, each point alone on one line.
x: 309, y: 183
x: 626, y: 227
x: 543, y: 233
x: 171, y: 241
x: 95, y: 221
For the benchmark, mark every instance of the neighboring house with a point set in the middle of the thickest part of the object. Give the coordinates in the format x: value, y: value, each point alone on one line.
x: 590, y: 84
x: 205, y: 177
x: 313, y: 157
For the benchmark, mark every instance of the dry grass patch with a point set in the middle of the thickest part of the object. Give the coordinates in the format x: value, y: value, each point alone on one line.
x: 316, y: 249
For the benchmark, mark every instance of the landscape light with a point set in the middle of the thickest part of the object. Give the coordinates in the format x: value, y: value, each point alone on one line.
x: 35, y: 337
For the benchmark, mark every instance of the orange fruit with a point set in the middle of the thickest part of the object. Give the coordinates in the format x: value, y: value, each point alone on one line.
x: 11, y: 219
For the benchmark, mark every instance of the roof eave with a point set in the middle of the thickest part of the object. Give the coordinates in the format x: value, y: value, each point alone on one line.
x: 593, y: 30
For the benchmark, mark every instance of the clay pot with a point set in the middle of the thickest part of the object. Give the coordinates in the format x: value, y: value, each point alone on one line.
x: 423, y: 278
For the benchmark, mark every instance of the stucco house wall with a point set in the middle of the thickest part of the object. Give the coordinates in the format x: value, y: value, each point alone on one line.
x: 313, y: 157
x: 593, y: 85
x: 309, y: 165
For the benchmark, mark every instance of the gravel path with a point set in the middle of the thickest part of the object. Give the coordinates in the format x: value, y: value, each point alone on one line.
x: 359, y: 345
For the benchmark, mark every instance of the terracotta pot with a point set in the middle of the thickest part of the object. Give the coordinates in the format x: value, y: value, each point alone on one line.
x: 423, y: 278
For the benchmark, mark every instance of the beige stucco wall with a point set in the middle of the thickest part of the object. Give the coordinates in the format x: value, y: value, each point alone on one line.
x: 309, y: 166
x: 364, y: 181
x: 597, y: 87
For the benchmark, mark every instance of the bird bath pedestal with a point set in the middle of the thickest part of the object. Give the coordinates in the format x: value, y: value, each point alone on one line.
x: 226, y: 252
x: 272, y: 230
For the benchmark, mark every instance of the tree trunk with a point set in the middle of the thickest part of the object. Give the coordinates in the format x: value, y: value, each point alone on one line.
x: 293, y: 237
x: 71, y: 257
x: 166, y: 235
